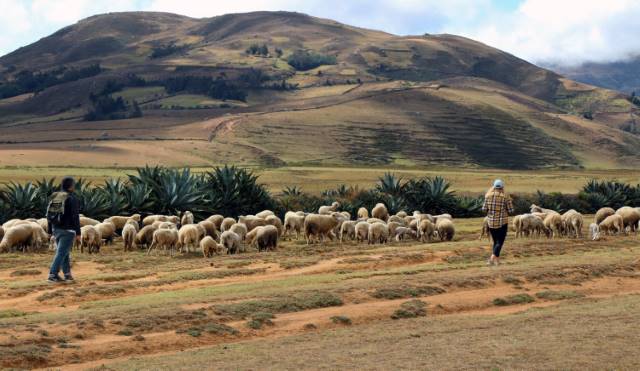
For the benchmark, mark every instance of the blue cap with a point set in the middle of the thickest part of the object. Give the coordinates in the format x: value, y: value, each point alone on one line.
x: 498, y: 183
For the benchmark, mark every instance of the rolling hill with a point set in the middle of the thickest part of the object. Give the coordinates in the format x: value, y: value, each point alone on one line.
x: 623, y: 76
x: 276, y: 88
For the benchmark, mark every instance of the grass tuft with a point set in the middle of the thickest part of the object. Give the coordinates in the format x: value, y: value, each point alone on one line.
x: 558, y: 295
x: 401, y: 292
x: 514, y: 300
x: 282, y: 304
x: 344, y: 320
x: 411, y: 309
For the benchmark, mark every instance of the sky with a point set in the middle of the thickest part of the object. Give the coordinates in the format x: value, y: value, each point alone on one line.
x: 565, y: 32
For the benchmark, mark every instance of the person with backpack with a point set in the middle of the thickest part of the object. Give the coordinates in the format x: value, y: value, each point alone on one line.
x: 498, y: 206
x: 63, y: 217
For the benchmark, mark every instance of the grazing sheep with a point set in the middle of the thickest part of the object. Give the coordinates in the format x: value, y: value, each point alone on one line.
x: 326, y: 210
x: 166, y: 239
x: 531, y: 224
x: 128, y: 236
x: 87, y: 221
x: 537, y: 209
x: 375, y: 220
x: 276, y: 222
x: 90, y: 239
x: 594, y: 232
x: 17, y: 236
x: 132, y: 222
x: 612, y: 224
x: 144, y: 237
x: 118, y: 221
x: 230, y: 241
x: 209, y: 247
x: 188, y: 235
x: 446, y: 229
x: 630, y: 217
x: 363, y: 213
x: 210, y: 228
x: 293, y: 223
x: 572, y: 222
x: 240, y: 229
x: 216, y: 220
x: 12, y: 222
x: 187, y: 218
x: 426, y: 230
x: 264, y: 214
x: 485, y: 232
x: 107, y: 231
x: 421, y: 217
x: 378, y: 233
x: 266, y: 238
x: 166, y: 225
x: 319, y: 226
x: 348, y: 228
x: 397, y: 219
x: 362, y: 231
x: 602, y: 214
x: 251, y: 221
x: 441, y: 216
x: 403, y: 232
x: 392, y: 228
x: 414, y: 224
x: 380, y: 212
x: 226, y: 224
x: 553, y: 223
x: 401, y: 214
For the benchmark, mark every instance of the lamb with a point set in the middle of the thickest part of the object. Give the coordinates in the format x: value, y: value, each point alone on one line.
x: 348, y: 228
x: 630, y: 217
x: 380, y: 212
x: 87, y: 221
x: 293, y: 223
x: 188, y: 235
x: 128, y: 236
x: 378, y: 233
x: 326, y: 210
x: 267, y: 238
x: 107, y: 231
x: 572, y: 222
x: 251, y: 221
x: 446, y: 229
x: 319, y: 226
x: 594, y: 232
x: 362, y: 231
x: 165, y: 239
x: 210, y: 228
x: 187, y: 218
x: 209, y: 247
x: 264, y: 214
x: 403, y: 232
x: 16, y: 236
x: 230, y: 241
x: 363, y: 213
x: 144, y: 237
x: 553, y: 223
x: 602, y: 214
x: 426, y: 230
x: 276, y: 222
x: 240, y: 229
x: 90, y: 239
x: 531, y: 224
x: 216, y: 220
x: 612, y: 224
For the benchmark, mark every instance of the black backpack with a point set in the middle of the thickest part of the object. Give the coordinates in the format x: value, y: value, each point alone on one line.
x: 55, y: 209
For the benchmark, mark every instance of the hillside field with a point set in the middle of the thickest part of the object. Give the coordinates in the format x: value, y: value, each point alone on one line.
x: 549, y: 305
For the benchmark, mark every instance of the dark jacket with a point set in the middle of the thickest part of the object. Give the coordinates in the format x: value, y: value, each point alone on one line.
x: 71, y: 216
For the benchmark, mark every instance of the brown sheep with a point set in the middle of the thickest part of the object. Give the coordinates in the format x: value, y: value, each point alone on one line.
x: 363, y: 213
x: 446, y: 229
x: 240, y: 229
x: 293, y: 223
x: 630, y: 217
x: 612, y: 224
x: 266, y: 238
x: 602, y: 214
x: 187, y: 218
x: 216, y: 220
x: 90, y: 239
x: 264, y: 214
x: 144, y: 237
x: 128, y: 236
x: 319, y: 226
x: 210, y: 228
x: 380, y: 212
x: 276, y: 222
x: 226, y: 224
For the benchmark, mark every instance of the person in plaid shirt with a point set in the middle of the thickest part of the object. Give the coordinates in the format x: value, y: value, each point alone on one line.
x: 498, y: 206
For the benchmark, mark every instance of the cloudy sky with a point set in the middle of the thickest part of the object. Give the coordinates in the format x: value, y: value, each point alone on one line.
x: 542, y: 31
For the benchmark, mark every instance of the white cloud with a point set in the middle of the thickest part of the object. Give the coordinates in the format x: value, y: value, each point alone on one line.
x: 565, y: 32
x: 14, y: 19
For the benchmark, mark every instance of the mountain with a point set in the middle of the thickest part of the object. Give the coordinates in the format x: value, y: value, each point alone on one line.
x: 623, y: 76
x: 276, y: 88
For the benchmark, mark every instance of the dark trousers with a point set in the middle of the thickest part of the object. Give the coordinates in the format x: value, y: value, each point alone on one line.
x: 498, y: 235
x: 64, y: 241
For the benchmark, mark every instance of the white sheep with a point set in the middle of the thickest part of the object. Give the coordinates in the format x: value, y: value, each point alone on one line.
x: 378, y: 233
x: 166, y: 239
x: 326, y: 210
x: 276, y: 222
x: 404, y: 232
x: 209, y: 246
x: 362, y: 231
x: 612, y: 224
x: 252, y: 221
x: 265, y: 213
x: 90, y: 239
x: 602, y: 214
x: 630, y: 217
x: 128, y: 236
x: 293, y: 222
x: 380, y: 212
x: 317, y: 226
x: 231, y: 242
x: 187, y: 218
x: 348, y: 229
x: 189, y: 235
x: 363, y: 213
x: 240, y: 229
x: 426, y: 230
x: 446, y: 229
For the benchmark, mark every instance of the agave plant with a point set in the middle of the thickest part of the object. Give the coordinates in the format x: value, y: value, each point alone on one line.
x: 177, y: 191
x: 113, y: 190
x: 46, y: 187
x: 5, y: 211
x: 430, y: 195
x: 22, y: 200
x: 138, y: 198
x: 235, y: 191
x: 93, y: 201
x: 292, y: 191
x: 390, y: 184
x: 469, y: 206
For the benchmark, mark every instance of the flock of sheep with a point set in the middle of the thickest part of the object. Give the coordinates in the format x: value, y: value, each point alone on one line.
x: 218, y: 234
x: 550, y: 223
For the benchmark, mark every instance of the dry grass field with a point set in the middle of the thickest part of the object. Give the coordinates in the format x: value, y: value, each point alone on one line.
x: 552, y: 304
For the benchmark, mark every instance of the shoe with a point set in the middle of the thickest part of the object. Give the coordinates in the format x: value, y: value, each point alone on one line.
x: 489, y: 262
x: 69, y: 278
x: 54, y: 279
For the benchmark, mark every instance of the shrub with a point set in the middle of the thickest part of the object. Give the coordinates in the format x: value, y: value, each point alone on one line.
x: 343, y: 320
x: 411, y: 309
x: 303, y: 60
x: 514, y: 299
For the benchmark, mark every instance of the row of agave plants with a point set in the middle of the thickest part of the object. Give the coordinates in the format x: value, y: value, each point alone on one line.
x: 233, y: 191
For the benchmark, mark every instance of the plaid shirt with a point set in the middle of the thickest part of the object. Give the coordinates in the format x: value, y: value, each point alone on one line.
x: 498, y: 207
